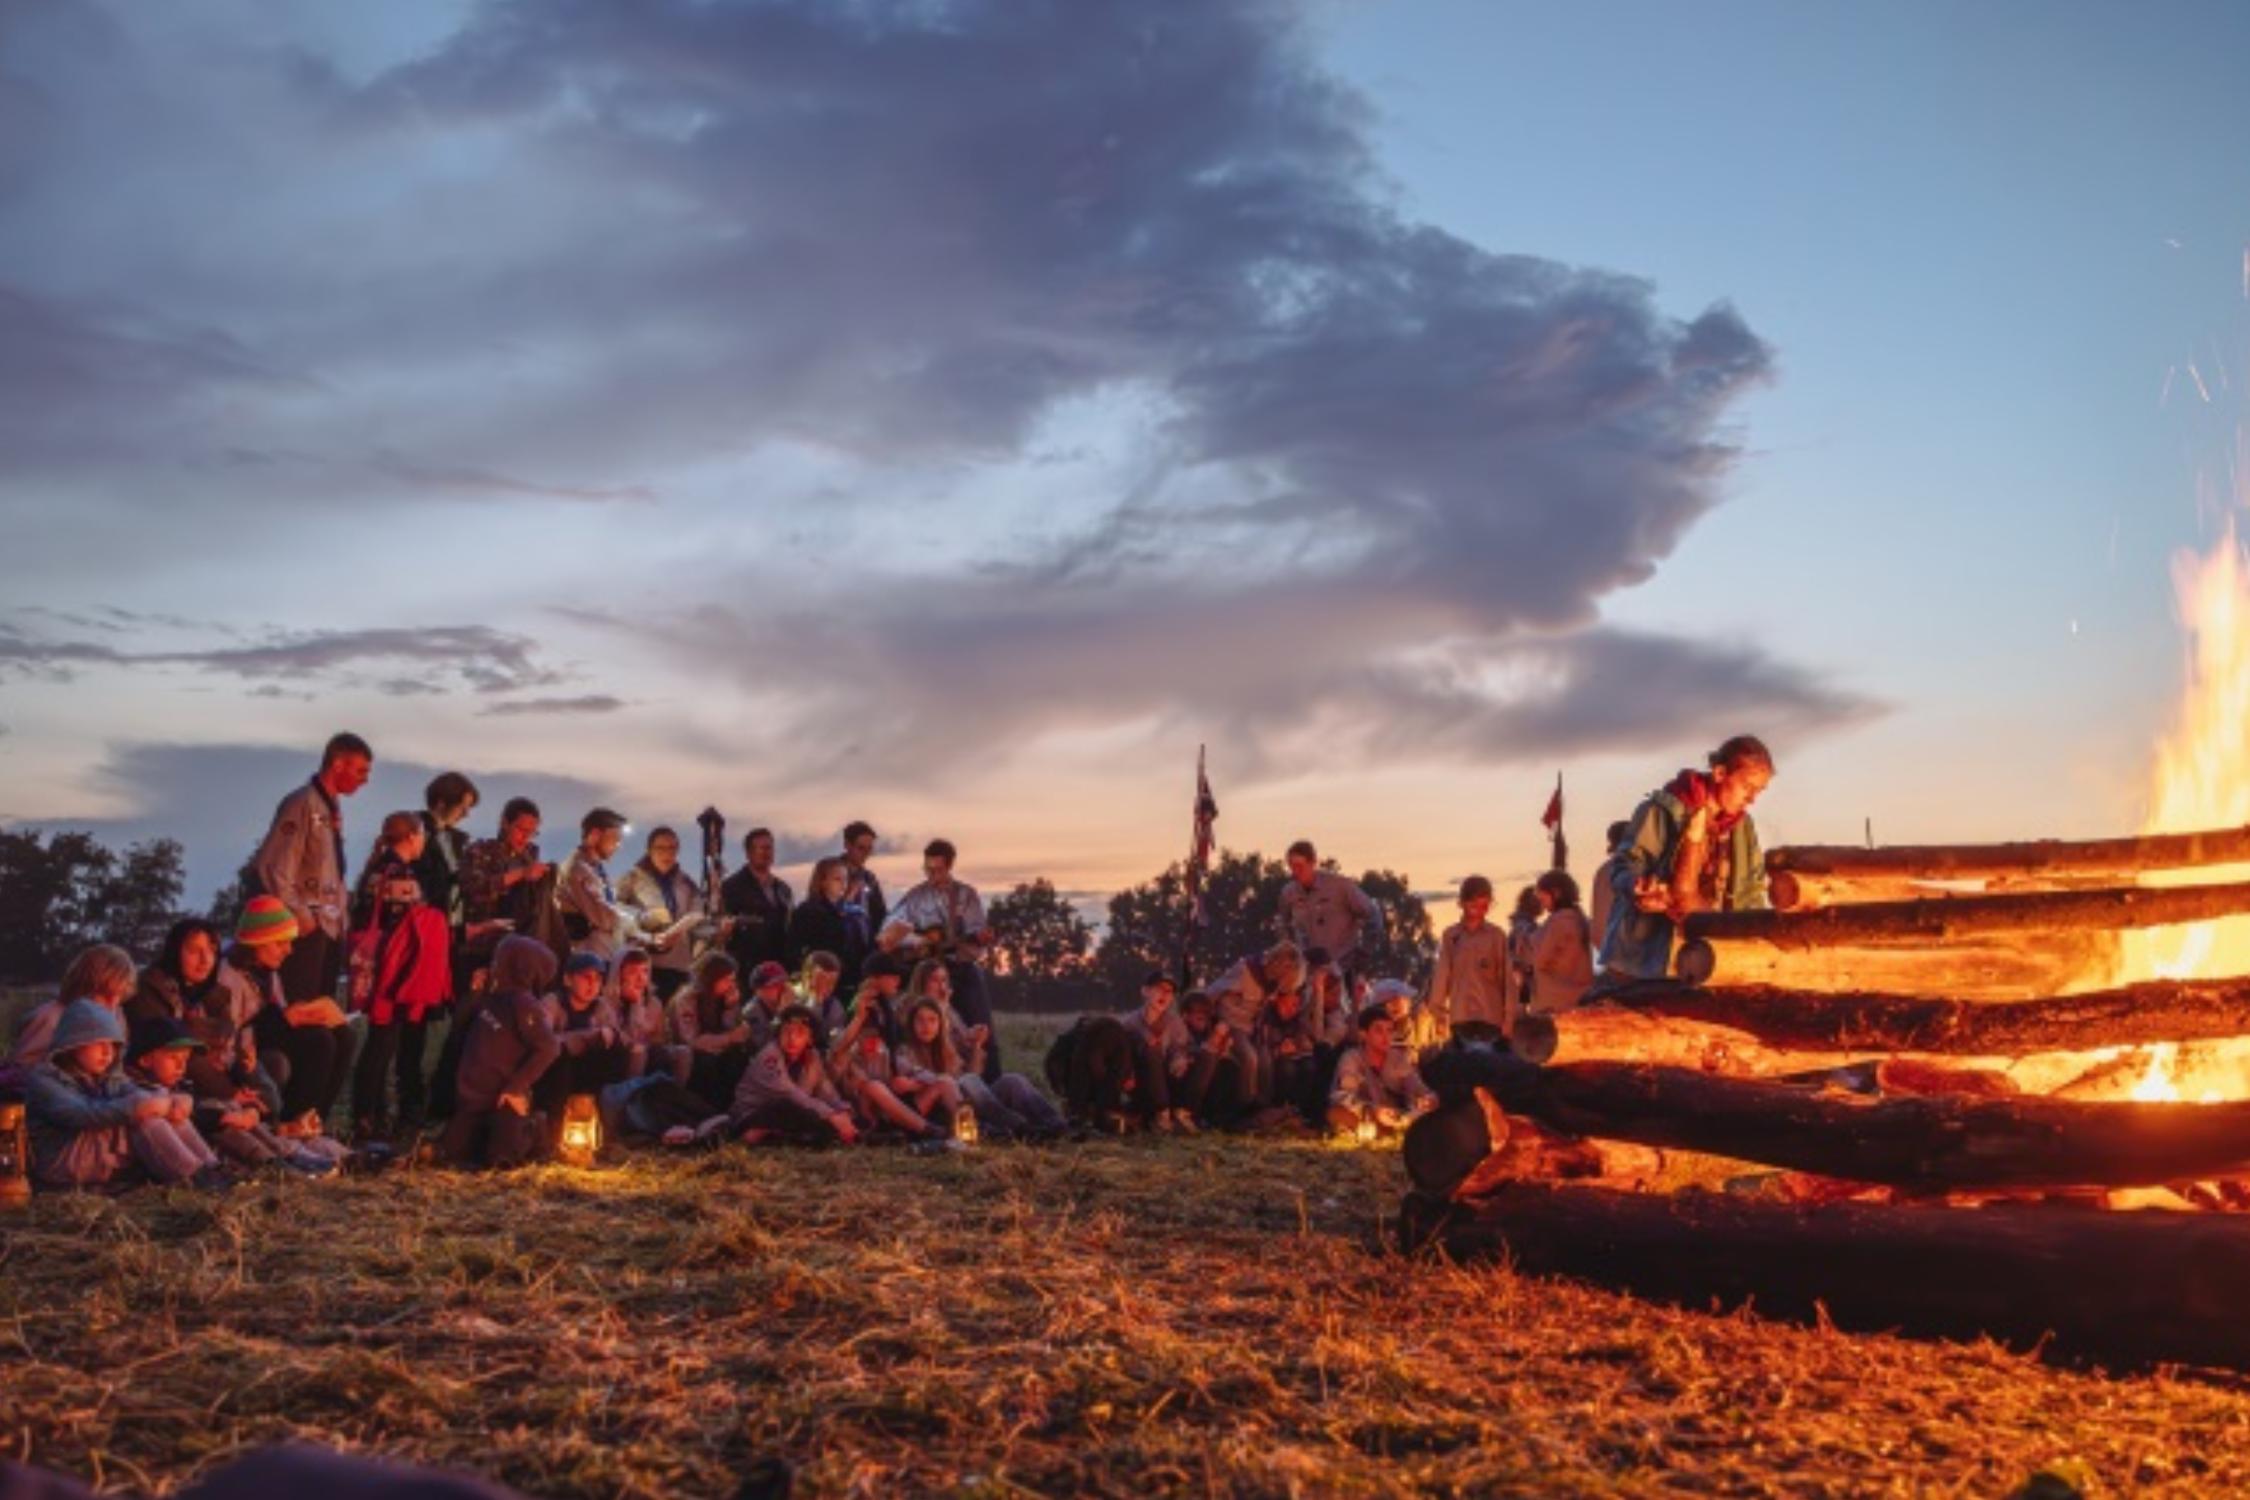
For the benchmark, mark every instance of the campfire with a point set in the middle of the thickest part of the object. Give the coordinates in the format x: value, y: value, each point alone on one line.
x: 1946, y: 1088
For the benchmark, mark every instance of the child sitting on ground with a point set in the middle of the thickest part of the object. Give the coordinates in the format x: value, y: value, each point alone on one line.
x: 91, y: 1127
x: 862, y: 1066
x: 103, y: 974
x: 158, y: 1054
x: 595, y: 1053
x: 644, y: 1022
x: 1377, y: 1090
x: 785, y: 1094
x: 509, y: 1049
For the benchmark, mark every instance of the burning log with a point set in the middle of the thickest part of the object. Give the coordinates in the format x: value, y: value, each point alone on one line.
x: 1790, y: 1023
x: 1967, y: 918
x: 2172, y: 1287
x: 1938, y: 926
x: 1817, y: 874
x: 1925, y: 1143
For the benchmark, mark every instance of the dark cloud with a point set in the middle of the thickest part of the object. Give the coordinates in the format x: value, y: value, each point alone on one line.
x: 591, y: 703
x: 1390, y: 474
x: 474, y: 656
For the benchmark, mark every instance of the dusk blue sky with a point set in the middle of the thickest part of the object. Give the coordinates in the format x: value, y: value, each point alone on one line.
x: 954, y: 415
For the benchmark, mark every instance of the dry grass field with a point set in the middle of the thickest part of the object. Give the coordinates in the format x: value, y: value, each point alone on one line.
x: 1195, y: 1317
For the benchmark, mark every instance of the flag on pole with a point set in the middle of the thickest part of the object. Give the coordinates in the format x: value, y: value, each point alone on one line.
x: 1198, y: 864
x: 1551, y: 820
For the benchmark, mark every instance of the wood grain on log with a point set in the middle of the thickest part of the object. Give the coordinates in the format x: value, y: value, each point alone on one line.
x: 2039, y: 857
x: 1795, y: 1022
x: 1935, y: 922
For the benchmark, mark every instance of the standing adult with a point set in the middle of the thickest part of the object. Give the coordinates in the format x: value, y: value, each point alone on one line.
x: 500, y: 883
x: 1692, y: 847
x: 824, y: 922
x: 597, y: 921
x: 1599, y: 894
x: 662, y: 893
x: 943, y: 918
x: 1322, y: 909
x: 861, y: 888
x: 301, y: 863
x: 446, y: 802
x: 759, y: 902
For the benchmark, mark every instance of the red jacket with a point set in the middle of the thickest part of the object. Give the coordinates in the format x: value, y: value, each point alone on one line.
x: 407, y: 971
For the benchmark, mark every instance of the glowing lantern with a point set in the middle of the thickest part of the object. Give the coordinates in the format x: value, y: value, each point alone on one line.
x: 965, y: 1125
x: 15, y: 1157
x: 581, y: 1131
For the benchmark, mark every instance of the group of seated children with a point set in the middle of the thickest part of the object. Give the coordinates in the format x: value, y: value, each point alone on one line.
x: 1274, y: 1043
x: 182, y: 1072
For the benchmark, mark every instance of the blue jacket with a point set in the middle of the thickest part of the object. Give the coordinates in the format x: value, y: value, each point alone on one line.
x: 1638, y: 944
x: 62, y: 1104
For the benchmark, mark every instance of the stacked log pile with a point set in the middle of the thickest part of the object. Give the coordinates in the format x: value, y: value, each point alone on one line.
x: 1935, y: 1162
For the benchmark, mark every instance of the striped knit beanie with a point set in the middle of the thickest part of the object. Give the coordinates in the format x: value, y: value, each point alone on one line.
x: 265, y: 920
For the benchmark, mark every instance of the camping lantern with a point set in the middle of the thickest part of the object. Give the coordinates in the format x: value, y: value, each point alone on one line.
x: 581, y: 1131
x: 15, y: 1156
x: 965, y: 1125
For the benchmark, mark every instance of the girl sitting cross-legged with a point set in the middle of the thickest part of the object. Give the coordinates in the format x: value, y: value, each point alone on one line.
x: 937, y: 1044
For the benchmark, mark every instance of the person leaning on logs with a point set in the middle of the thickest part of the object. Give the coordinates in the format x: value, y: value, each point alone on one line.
x: 1693, y: 847
x: 1469, y: 989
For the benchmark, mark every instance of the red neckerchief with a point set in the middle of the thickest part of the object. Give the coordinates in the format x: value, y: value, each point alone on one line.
x: 1696, y: 790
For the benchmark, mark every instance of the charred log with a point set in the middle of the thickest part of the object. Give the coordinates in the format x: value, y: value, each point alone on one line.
x: 2174, y: 1287
x: 1930, y: 1143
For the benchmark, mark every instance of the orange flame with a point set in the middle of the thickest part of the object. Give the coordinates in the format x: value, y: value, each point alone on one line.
x: 2202, y: 770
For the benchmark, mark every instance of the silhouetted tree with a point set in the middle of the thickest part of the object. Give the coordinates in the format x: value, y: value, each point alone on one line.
x: 1242, y: 907
x: 64, y: 891
x: 1037, y: 935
